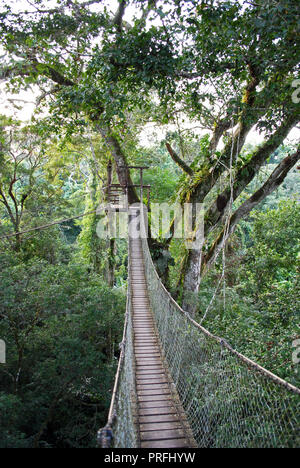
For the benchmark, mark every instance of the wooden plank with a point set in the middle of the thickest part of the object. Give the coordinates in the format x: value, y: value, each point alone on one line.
x: 144, y: 382
x: 147, y: 320
x: 162, y: 434
x: 142, y: 332
x: 157, y: 366
x: 157, y: 411
x: 153, y: 392
x: 147, y: 338
x: 142, y: 347
x: 158, y: 418
x: 147, y: 362
x: 142, y: 320
x: 149, y: 378
x: 155, y: 405
x: 150, y: 370
x: 152, y: 374
x: 142, y: 339
x: 137, y: 319
x: 148, y: 366
x: 141, y: 311
x: 141, y: 329
x: 147, y: 358
x: 146, y: 350
x: 145, y: 355
x: 154, y: 398
x: 147, y: 342
x: 160, y: 426
x: 147, y: 324
x: 139, y: 314
x: 173, y: 443
x: 155, y: 369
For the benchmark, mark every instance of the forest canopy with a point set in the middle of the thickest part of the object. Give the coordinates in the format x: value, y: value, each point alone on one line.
x: 205, y: 94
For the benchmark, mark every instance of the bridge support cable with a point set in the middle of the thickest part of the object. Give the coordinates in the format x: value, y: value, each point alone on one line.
x: 228, y: 400
x: 121, y: 429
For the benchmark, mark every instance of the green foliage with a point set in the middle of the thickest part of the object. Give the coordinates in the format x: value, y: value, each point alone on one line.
x: 60, y: 324
x: 261, y: 312
x: 275, y: 236
x: 199, y: 59
x: 60, y: 321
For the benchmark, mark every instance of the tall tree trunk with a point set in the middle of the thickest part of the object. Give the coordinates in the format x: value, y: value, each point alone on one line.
x: 120, y: 162
x: 217, y: 212
x: 191, y: 281
x: 194, y: 268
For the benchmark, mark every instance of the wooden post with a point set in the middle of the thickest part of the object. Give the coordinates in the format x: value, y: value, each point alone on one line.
x: 141, y: 183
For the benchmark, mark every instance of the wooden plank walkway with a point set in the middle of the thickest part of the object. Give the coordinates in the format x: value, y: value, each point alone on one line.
x: 161, y: 418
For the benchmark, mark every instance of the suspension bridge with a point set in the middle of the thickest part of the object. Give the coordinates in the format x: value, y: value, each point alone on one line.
x: 179, y: 386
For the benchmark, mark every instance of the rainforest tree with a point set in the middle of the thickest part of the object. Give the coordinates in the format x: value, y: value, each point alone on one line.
x: 230, y: 66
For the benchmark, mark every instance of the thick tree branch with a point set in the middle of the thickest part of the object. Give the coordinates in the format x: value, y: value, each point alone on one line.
x: 219, y: 130
x: 248, y: 117
x: 120, y: 161
x: 8, y: 208
x: 12, y: 196
x: 26, y: 69
x: 185, y: 167
x: 247, y: 172
x: 273, y: 182
x: 118, y: 19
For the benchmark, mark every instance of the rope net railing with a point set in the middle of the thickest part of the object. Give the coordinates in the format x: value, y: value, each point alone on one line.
x: 121, y: 428
x: 229, y: 400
